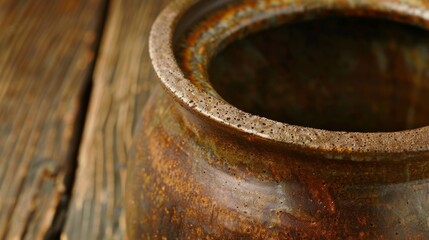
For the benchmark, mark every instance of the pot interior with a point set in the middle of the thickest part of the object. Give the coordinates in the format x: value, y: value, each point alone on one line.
x: 342, y: 73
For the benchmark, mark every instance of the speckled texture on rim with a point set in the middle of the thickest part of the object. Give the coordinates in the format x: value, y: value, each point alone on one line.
x: 356, y: 146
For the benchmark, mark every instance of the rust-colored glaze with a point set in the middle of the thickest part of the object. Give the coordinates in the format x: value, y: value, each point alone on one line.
x: 203, y: 169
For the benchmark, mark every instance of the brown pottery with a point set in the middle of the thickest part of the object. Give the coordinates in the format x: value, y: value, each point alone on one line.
x: 285, y: 119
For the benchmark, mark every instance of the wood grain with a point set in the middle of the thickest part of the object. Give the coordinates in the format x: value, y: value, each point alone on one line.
x: 122, y: 81
x: 45, y: 66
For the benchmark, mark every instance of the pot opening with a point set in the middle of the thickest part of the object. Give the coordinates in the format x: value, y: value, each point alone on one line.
x: 341, y: 73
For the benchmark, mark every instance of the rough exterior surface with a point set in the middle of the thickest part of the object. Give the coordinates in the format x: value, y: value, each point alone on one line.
x: 48, y: 49
x: 204, y: 169
x: 122, y: 80
x: 192, y: 179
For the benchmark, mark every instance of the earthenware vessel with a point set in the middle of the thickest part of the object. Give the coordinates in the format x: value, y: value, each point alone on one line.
x: 285, y: 119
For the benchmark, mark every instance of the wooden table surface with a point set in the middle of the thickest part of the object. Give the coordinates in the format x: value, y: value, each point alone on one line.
x: 74, y: 78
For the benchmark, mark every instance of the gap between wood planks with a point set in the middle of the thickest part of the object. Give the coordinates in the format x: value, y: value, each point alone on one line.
x: 58, y: 222
x: 123, y: 79
x: 46, y: 64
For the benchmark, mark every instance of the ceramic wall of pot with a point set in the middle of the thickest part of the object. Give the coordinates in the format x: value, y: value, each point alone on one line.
x: 285, y: 119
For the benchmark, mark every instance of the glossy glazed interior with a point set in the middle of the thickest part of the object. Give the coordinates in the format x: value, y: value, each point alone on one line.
x: 335, y: 73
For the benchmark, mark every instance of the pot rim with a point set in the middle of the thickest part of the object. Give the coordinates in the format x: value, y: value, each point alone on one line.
x: 359, y: 146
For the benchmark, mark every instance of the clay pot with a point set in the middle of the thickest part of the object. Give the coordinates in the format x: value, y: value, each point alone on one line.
x: 312, y: 125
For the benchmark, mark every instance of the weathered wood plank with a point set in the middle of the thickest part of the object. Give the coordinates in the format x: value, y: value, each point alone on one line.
x: 47, y: 53
x: 121, y: 86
